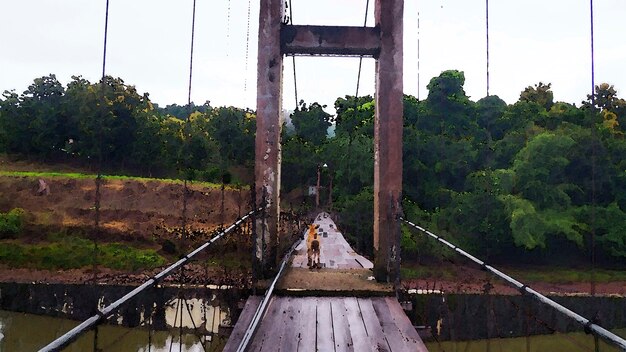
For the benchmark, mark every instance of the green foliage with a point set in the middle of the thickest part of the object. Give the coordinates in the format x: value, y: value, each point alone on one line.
x: 610, y: 227
x: 499, y: 179
x: 11, y: 223
x: 356, y: 220
x: 75, y: 252
x: 490, y: 110
x: 543, y: 179
x: 355, y: 116
x: 530, y: 227
x: 234, y: 130
x: 311, y: 123
x: 34, y: 174
x: 112, y: 122
x: 540, y: 94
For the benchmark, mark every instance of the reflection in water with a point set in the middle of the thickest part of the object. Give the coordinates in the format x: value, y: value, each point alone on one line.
x: 576, y: 341
x: 27, y: 332
x: 151, y: 322
x: 195, y: 312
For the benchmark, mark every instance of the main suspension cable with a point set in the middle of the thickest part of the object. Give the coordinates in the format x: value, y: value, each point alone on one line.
x: 418, y: 56
x: 98, y: 185
x: 228, y: 29
x: 358, y: 79
x: 593, y: 158
x: 487, y: 31
x: 293, y: 60
x: 245, y: 79
x: 193, y: 31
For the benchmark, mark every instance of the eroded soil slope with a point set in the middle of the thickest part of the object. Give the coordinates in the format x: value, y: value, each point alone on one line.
x: 129, y: 209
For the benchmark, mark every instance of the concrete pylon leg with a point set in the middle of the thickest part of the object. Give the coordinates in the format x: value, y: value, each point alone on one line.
x: 388, y: 140
x: 384, y: 41
x: 267, y: 143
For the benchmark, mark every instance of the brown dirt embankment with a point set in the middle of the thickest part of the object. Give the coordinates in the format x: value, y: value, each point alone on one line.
x: 472, y: 280
x: 130, y: 209
x: 143, y: 213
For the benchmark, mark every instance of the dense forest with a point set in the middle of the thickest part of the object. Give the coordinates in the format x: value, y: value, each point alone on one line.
x: 526, y: 182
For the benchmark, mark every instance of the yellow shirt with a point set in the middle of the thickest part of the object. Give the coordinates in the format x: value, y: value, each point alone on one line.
x: 311, y: 235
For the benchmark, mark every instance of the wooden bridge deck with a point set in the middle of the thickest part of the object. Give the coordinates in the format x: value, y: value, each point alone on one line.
x: 329, y: 324
x: 318, y: 310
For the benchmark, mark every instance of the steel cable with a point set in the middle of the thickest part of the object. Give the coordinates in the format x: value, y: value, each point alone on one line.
x: 358, y: 79
x: 588, y: 324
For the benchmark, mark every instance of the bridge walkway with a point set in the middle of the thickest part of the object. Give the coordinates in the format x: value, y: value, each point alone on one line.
x: 336, y: 308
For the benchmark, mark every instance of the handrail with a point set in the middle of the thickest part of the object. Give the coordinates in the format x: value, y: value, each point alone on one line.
x: 261, y: 309
x: 73, y: 334
x: 587, y: 324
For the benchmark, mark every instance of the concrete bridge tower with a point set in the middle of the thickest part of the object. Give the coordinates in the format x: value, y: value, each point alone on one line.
x: 383, y: 42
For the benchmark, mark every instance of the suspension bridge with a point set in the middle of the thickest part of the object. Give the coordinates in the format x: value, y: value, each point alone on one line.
x: 351, y: 303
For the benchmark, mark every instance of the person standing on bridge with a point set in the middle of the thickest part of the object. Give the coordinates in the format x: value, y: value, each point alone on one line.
x: 313, y: 247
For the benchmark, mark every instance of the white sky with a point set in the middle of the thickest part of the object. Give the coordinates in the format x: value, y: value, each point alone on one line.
x: 530, y: 41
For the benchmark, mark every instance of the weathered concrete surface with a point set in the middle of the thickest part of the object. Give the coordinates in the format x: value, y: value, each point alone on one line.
x: 385, y: 37
x: 268, y: 126
x: 388, y: 139
x: 330, y: 40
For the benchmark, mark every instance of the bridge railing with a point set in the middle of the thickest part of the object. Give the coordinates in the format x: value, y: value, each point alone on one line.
x: 66, y: 339
x: 588, y: 325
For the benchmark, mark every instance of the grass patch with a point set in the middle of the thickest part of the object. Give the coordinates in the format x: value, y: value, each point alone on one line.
x: 73, y: 252
x: 563, y: 275
x: 11, y: 223
x: 228, y: 261
x: 422, y: 272
x: 75, y: 175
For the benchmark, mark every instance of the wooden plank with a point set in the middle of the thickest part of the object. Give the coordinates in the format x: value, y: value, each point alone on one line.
x: 293, y: 319
x: 266, y: 328
x: 307, y: 325
x: 325, y: 338
x: 372, y: 324
x: 360, y: 337
x: 405, y: 326
x: 397, y: 342
x: 341, y: 328
x: 242, y: 323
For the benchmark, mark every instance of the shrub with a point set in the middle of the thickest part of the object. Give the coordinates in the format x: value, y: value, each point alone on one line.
x: 11, y: 223
x: 73, y: 252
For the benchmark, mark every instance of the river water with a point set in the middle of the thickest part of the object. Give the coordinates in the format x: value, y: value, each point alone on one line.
x: 459, y: 323
x: 29, y: 332
x: 162, y: 319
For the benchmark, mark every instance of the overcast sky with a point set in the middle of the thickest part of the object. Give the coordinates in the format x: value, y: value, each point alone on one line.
x: 149, y: 40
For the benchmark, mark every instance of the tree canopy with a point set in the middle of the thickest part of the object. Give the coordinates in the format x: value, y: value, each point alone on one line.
x: 531, y: 179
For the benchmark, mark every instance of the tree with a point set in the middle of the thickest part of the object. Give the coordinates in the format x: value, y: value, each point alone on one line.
x: 540, y: 94
x: 311, y: 123
x: 34, y: 119
x: 450, y: 112
x: 539, y: 170
x: 233, y: 130
x: 182, y: 112
x: 530, y: 227
x: 12, y: 128
x: 355, y: 116
x: 148, y: 152
x: 198, y: 150
x: 489, y: 111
